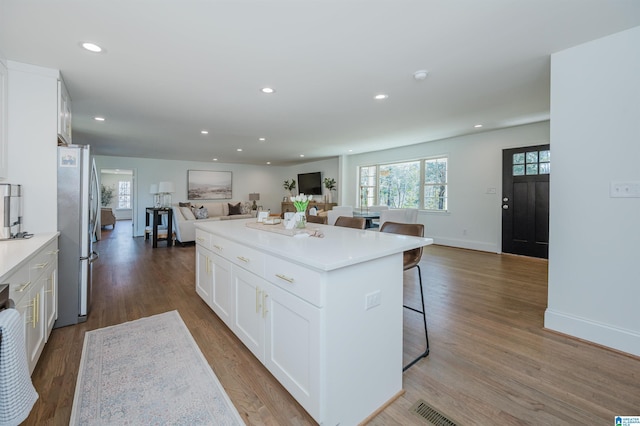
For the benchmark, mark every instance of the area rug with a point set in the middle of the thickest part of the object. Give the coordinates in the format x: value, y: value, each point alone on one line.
x: 148, y: 372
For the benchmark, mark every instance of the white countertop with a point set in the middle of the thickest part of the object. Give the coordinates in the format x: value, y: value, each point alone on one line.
x: 340, y: 246
x: 13, y: 253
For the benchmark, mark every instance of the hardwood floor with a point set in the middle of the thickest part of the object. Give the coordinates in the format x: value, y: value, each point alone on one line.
x: 491, y: 361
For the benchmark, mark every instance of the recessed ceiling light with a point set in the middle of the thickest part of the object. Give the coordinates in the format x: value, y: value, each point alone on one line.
x: 215, y: 159
x: 204, y: 132
x: 267, y: 90
x: 301, y: 155
x: 350, y: 150
x: 262, y: 139
x: 420, y: 74
x: 380, y: 96
x: 239, y: 149
x: 92, y: 47
x: 98, y: 118
x: 268, y: 162
x: 477, y: 126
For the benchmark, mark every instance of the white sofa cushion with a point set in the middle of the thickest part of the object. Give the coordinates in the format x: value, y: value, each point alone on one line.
x: 187, y: 213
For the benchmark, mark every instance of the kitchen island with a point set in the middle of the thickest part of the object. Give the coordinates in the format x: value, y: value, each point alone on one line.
x: 324, y: 315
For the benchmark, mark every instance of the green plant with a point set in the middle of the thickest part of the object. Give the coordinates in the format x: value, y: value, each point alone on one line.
x: 330, y: 184
x: 289, y: 185
x: 106, y: 195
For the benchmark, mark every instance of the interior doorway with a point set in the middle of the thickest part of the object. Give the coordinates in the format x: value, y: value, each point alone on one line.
x: 117, y: 190
x: 525, y: 200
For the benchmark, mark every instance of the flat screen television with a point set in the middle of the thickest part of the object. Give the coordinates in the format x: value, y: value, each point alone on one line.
x: 310, y: 183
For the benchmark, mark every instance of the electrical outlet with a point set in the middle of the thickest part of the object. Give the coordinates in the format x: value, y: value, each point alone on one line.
x: 624, y: 190
x: 372, y: 300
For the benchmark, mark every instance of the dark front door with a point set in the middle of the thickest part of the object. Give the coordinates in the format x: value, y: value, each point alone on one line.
x: 525, y: 200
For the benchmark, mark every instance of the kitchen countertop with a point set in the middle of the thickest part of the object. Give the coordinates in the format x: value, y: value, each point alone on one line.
x: 13, y: 253
x: 339, y: 248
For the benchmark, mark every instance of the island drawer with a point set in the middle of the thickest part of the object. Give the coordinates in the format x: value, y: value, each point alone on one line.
x: 203, y: 238
x: 295, y: 279
x: 245, y: 257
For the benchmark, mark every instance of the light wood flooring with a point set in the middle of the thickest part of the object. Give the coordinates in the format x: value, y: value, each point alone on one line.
x: 491, y: 361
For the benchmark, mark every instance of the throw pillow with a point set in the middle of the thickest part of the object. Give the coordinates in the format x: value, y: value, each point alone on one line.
x: 234, y: 209
x: 187, y: 213
x: 201, y: 213
x: 187, y: 204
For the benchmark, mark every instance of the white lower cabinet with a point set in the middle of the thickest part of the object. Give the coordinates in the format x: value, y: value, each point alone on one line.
x: 282, y: 331
x: 213, y: 282
x: 279, y: 328
x: 34, y: 289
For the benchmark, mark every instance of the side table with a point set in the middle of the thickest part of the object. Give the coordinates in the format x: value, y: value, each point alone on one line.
x: 156, y: 213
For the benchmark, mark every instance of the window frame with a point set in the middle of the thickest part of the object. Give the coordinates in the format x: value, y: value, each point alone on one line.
x: 422, y: 184
x: 121, y: 195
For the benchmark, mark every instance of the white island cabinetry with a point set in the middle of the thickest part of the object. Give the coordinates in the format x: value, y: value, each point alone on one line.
x: 300, y: 306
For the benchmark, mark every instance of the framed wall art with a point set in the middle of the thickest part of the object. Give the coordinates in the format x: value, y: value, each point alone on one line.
x: 208, y: 185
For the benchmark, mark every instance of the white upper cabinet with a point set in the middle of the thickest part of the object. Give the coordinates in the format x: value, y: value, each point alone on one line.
x: 64, y: 112
x: 4, y: 139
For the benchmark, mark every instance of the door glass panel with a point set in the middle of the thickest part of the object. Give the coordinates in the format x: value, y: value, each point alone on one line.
x: 545, y: 168
x: 545, y: 156
x: 532, y: 157
x: 518, y: 170
x: 532, y: 169
x: 518, y: 158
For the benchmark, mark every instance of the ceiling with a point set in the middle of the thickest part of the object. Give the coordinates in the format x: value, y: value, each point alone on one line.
x: 170, y: 69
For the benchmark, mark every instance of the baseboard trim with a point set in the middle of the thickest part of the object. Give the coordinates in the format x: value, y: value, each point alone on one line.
x: 624, y: 340
x: 465, y: 244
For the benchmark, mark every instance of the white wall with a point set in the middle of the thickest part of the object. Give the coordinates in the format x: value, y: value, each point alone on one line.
x: 594, y: 285
x: 265, y: 180
x: 475, y: 165
x: 33, y: 140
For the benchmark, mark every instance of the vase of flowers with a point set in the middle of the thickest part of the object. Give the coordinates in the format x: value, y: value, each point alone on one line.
x: 301, y: 202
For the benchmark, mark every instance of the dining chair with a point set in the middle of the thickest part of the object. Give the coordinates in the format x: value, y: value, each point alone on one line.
x: 399, y: 215
x: 317, y: 219
x: 411, y: 259
x: 338, y: 211
x: 351, y: 222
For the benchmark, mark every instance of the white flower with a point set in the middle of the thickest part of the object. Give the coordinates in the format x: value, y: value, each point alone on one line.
x: 302, y: 198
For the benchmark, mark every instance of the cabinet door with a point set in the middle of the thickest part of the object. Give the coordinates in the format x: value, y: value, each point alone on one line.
x: 51, y: 300
x: 32, y: 310
x: 204, y: 281
x: 221, y: 301
x: 292, y: 346
x: 249, y: 308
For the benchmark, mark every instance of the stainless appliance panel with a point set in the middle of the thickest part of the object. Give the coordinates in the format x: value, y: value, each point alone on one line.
x: 75, y: 226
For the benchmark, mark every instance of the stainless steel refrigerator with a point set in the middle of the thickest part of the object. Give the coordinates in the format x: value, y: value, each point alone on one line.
x: 78, y: 206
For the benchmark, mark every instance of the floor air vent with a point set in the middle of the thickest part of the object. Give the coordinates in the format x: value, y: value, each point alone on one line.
x: 422, y: 409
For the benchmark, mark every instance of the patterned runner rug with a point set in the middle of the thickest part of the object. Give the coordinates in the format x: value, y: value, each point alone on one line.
x: 148, y: 371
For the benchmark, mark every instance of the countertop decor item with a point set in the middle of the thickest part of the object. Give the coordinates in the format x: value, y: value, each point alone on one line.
x: 301, y: 202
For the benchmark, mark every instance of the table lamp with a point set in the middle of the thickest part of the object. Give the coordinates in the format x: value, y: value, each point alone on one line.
x: 166, y: 189
x: 153, y: 189
x: 254, y: 196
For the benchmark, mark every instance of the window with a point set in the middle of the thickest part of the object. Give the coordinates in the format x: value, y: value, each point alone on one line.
x: 532, y: 163
x: 418, y: 184
x: 124, y: 195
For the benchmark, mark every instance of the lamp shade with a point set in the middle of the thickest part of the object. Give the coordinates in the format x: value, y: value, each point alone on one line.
x: 254, y: 196
x: 166, y: 187
x: 153, y: 189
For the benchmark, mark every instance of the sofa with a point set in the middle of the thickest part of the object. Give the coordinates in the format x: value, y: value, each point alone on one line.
x: 186, y: 215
